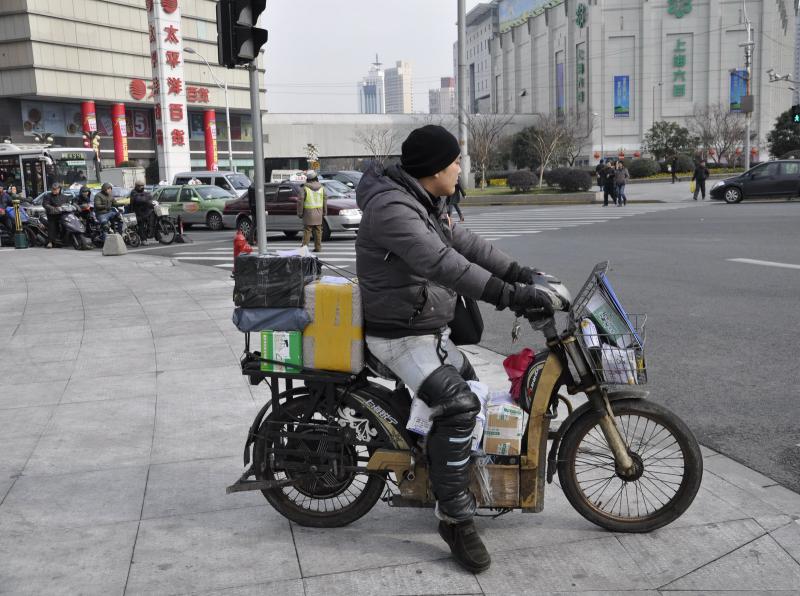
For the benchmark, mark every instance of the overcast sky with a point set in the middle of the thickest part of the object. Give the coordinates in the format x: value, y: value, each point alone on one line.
x: 318, y: 50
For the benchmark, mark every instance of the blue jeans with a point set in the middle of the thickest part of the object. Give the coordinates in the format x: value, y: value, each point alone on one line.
x: 111, y: 216
x: 621, y: 198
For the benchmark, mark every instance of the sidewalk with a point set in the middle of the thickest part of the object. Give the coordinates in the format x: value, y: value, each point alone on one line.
x: 122, y: 419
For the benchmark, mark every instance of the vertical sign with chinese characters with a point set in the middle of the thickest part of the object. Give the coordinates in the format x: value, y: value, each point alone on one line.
x: 680, y: 63
x: 580, y: 74
x: 89, y: 118
x: 210, y: 128
x: 622, y: 96
x: 169, y: 88
x: 120, y: 131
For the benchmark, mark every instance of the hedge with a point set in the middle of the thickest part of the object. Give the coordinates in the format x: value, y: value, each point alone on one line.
x: 521, y: 180
x: 642, y: 168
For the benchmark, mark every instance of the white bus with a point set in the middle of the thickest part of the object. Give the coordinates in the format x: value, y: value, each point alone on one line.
x: 33, y: 168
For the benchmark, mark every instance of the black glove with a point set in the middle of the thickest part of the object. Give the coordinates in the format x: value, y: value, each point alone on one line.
x: 519, y: 274
x: 519, y: 298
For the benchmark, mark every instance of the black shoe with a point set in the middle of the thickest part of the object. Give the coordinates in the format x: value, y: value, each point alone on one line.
x: 466, y: 546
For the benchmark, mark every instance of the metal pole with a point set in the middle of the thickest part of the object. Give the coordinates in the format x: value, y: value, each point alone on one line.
x: 22, y: 177
x: 228, y: 121
x: 462, y: 95
x: 748, y: 62
x: 258, y: 159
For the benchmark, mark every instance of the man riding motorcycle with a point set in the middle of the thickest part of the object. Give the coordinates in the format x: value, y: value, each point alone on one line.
x: 142, y: 205
x: 104, y: 203
x: 411, y: 265
x: 52, y: 203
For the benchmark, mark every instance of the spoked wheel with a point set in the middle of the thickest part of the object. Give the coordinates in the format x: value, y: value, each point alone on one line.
x: 165, y: 230
x: 75, y: 241
x: 326, y: 492
x: 132, y: 238
x: 732, y: 195
x: 666, y: 476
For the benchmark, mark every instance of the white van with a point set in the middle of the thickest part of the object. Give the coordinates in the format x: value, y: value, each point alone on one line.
x: 235, y: 183
x: 287, y: 176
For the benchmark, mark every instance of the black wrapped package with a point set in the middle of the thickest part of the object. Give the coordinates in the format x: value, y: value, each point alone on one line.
x: 271, y: 281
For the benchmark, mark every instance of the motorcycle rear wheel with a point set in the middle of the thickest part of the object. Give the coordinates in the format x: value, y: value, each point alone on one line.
x: 132, y: 238
x: 321, y: 500
x: 669, y: 468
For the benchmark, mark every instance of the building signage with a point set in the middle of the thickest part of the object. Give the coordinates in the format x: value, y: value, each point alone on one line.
x: 784, y: 16
x: 61, y: 120
x: 580, y: 15
x: 168, y: 88
x: 622, y: 96
x: 679, y: 8
x: 680, y: 61
x: 738, y: 89
x: 580, y: 73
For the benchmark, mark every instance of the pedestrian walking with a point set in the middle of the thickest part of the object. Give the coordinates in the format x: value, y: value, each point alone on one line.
x: 598, y: 170
x: 411, y: 266
x: 311, y: 208
x: 699, y: 177
x: 621, y: 177
x: 608, y: 184
x: 52, y: 203
x: 673, y: 167
x: 453, y: 202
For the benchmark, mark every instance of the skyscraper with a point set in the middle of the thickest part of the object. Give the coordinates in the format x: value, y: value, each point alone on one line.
x: 443, y: 100
x: 371, y: 94
x: 399, y: 98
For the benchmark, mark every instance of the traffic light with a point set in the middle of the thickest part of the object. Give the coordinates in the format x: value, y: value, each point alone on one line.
x: 796, y: 114
x: 238, y: 38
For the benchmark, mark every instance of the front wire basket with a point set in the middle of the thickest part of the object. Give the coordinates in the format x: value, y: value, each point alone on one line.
x: 614, y: 358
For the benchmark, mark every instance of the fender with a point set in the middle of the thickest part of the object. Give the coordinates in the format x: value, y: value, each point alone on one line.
x: 622, y: 392
x: 389, y: 408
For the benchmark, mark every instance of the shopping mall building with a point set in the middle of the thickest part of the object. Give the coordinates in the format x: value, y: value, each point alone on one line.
x: 69, y: 67
x: 623, y: 64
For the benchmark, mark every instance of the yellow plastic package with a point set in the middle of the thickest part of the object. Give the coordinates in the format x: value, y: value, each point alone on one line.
x: 334, y: 340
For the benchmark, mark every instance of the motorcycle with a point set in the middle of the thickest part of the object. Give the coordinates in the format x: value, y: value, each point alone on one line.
x: 35, y: 231
x: 94, y: 230
x: 130, y: 234
x: 323, y: 454
x: 161, y: 226
x: 73, y: 231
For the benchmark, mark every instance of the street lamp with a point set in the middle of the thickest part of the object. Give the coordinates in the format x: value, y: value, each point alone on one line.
x: 602, y: 141
x: 654, y: 100
x: 227, y: 108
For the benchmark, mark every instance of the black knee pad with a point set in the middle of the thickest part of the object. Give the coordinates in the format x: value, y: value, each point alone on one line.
x: 448, y: 395
x: 467, y: 372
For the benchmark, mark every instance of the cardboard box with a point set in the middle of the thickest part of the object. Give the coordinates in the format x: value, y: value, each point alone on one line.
x: 334, y: 340
x: 269, y: 281
x: 503, y: 432
x: 285, y: 348
x: 494, y: 485
x: 419, y: 419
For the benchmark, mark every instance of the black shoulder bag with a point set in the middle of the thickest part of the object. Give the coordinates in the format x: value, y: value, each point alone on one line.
x: 467, y: 324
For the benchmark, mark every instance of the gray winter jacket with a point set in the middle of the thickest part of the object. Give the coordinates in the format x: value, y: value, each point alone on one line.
x: 410, y: 264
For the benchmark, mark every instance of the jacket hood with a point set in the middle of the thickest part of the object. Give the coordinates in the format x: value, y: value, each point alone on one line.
x: 378, y: 180
x: 314, y: 185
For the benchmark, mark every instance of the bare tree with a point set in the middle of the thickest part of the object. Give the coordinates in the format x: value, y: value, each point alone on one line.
x: 485, y: 131
x: 718, y: 128
x: 546, y: 138
x: 577, y: 133
x: 379, y: 142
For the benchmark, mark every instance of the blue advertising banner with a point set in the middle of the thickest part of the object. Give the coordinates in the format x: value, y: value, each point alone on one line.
x: 560, y: 88
x: 622, y: 96
x: 738, y: 89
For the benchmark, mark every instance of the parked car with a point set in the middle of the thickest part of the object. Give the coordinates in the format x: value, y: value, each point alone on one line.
x: 338, y: 190
x: 235, y: 183
x: 343, y: 215
x: 198, y: 204
x: 769, y: 179
x: 349, y: 177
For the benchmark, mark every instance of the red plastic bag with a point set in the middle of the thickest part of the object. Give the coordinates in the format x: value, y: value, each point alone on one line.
x: 516, y: 365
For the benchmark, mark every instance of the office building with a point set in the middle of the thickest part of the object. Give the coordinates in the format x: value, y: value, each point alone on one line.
x: 371, y: 91
x: 443, y: 99
x: 397, y: 81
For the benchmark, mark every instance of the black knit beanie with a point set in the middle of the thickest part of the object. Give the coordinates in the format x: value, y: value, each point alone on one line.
x: 428, y: 150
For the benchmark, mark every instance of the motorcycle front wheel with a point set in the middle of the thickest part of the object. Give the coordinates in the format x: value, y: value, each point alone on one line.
x: 132, y: 238
x: 668, y: 462
x: 165, y: 231
x: 307, y: 453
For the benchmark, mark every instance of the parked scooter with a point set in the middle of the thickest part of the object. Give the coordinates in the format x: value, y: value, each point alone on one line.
x: 33, y: 228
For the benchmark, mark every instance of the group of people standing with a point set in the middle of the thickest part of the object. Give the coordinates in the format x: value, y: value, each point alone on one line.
x: 612, y: 177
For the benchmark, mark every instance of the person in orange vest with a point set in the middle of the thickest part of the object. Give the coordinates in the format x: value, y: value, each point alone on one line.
x: 311, y: 207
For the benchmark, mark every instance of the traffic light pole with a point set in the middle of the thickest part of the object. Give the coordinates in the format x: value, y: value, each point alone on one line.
x: 258, y: 159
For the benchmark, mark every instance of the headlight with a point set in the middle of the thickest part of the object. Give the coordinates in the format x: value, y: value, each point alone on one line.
x: 718, y: 184
x: 350, y: 212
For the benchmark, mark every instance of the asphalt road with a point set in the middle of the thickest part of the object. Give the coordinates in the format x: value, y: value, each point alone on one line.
x: 720, y: 333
